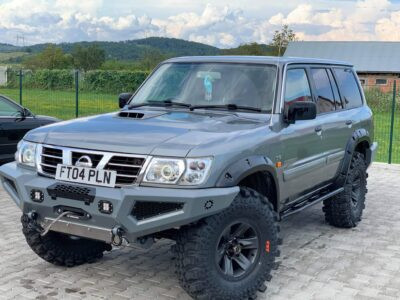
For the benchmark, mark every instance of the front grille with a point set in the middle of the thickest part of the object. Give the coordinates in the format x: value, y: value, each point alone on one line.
x: 95, y: 158
x: 144, y: 210
x: 50, y: 158
x: 73, y: 192
x: 128, y: 167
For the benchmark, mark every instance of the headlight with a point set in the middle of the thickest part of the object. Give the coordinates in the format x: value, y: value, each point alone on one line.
x: 26, y: 153
x: 164, y: 170
x: 197, y: 170
x: 191, y: 171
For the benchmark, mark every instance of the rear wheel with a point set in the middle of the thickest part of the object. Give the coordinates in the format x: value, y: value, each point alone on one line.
x: 345, y: 209
x: 61, y: 249
x: 231, y: 254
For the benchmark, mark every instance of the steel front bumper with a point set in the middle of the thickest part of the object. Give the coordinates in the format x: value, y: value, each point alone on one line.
x: 194, y: 204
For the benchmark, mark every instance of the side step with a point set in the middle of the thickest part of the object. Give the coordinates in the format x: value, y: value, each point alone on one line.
x: 307, y: 203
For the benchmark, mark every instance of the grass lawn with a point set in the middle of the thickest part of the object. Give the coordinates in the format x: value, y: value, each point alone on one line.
x: 7, y: 55
x: 61, y: 104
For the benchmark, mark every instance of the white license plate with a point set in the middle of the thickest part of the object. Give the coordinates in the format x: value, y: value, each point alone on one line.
x: 86, y: 175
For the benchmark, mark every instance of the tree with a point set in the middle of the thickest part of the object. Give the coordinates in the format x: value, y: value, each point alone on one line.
x: 151, y: 59
x: 88, y: 58
x: 51, y: 57
x: 282, y: 38
x: 246, y: 49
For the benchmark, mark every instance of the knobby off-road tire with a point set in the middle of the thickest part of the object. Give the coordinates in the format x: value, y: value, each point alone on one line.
x: 345, y: 209
x: 60, y: 249
x: 231, y: 254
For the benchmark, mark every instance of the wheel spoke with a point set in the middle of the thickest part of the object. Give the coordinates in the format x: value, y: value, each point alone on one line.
x: 240, y: 230
x: 228, y: 267
x: 220, y: 253
x: 242, y: 261
x: 249, y: 243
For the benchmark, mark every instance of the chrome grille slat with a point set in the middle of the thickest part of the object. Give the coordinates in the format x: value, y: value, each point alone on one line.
x: 129, y: 168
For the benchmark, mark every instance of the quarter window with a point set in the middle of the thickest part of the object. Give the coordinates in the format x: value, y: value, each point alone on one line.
x: 348, y: 87
x: 297, y: 87
x: 326, y: 100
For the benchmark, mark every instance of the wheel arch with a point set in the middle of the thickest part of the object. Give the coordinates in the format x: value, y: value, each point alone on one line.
x: 256, y: 172
x: 360, y: 141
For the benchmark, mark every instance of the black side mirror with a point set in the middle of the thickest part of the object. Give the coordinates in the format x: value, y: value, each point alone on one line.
x: 123, y: 99
x: 301, y: 110
x: 27, y: 113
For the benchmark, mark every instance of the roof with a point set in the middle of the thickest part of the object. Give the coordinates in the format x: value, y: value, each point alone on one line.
x: 274, y: 60
x: 369, y: 57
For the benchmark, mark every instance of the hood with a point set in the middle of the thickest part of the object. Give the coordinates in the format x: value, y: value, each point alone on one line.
x: 169, y: 133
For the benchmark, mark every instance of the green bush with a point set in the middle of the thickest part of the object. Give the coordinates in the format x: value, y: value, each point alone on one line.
x: 91, y: 81
x: 113, y: 81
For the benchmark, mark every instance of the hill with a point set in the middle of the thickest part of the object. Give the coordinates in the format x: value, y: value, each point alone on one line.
x: 135, y: 49
x: 9, y: 48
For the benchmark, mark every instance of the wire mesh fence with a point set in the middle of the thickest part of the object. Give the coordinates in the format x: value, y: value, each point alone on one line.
x: 78, y: 98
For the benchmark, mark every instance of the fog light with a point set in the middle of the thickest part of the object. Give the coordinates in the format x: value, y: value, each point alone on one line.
x: 105, y: 207
x: 37, y: 196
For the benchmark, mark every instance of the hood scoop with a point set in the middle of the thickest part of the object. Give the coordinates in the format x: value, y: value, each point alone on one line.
x: 139, y: 114
x: 131, y: 114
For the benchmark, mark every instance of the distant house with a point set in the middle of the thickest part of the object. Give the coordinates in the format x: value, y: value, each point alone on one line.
x: 377, y: 63
x: 3, y: 75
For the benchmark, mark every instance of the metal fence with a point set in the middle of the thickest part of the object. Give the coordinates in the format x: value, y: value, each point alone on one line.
x: 78, y: 101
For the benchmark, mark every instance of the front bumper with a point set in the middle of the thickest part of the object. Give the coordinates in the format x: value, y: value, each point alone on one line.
x: 194, y: 204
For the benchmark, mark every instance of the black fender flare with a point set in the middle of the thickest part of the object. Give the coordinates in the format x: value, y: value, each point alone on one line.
x: 358, y: 136
x: 245, y: 167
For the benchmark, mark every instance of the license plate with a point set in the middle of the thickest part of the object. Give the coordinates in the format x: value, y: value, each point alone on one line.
x: 86, y: 175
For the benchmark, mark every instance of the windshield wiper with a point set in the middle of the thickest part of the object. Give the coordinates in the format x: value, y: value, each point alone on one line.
x: 163, y: 103
x: 226, y: 106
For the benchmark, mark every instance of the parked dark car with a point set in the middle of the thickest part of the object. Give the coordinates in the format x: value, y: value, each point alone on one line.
x: 15, y: 121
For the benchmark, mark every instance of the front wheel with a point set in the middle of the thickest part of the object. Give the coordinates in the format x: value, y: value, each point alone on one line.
x: 61, y: 249
x: 231, y: 254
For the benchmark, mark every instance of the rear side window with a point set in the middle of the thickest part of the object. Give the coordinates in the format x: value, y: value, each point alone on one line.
x: 325, y: 100
x: 297, y: 87
x: 348, y: 87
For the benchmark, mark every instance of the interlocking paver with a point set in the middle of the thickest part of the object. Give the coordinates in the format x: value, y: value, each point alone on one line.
x: 317, y: 261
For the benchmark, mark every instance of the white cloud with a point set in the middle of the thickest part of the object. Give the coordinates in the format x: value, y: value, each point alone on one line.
x: 223, y: 25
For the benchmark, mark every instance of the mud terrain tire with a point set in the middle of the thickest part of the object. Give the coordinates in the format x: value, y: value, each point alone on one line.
x: 231, y: 254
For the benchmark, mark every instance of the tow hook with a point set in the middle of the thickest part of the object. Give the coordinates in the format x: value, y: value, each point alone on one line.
x: 116, y: 236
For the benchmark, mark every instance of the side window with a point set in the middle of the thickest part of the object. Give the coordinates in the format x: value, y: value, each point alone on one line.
x: 297, y: 87
x: 325, y: 100
x: 7, y: 109
x: 338, y: 101
x: 348, y: 87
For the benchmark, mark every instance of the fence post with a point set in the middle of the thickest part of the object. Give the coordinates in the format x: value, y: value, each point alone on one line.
x: 76, y: 93
x: 392, y: 122
x: 20, y: 86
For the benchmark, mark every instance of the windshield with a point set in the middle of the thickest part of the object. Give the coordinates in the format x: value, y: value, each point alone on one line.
x: 208, y: 84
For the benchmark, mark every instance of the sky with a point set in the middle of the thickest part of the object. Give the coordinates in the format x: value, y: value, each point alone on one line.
x: 223, y: 23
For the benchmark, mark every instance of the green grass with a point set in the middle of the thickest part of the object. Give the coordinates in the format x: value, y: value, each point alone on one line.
x: 61, y: 104
x: 382, y: 123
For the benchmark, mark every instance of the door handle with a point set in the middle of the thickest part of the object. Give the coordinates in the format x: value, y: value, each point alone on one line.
x: 349, y: 122
x: 318, y: 129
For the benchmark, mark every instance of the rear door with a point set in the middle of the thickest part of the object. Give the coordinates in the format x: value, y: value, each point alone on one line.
x: 334, y: 127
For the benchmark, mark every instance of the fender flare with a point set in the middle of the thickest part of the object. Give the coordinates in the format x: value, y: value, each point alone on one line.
x: 245, y: 167
x: 358, y: 136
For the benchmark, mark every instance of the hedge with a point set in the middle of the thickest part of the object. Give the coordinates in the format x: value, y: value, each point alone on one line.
x: 96, y: 81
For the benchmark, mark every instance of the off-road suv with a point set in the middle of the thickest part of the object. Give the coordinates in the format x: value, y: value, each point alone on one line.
x: 210, y: 152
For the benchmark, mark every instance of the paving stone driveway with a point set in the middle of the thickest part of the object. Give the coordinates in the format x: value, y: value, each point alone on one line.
x: 318, y: 261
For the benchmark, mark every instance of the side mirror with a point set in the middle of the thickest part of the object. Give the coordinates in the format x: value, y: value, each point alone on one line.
x: 27, y: 113
x: 301, y: 110
x: 123, y: 99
